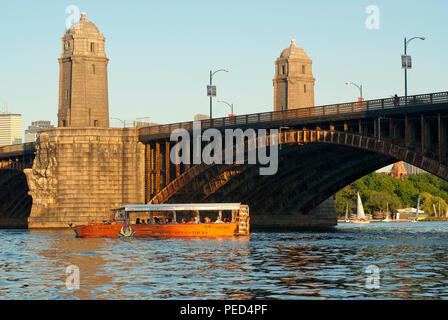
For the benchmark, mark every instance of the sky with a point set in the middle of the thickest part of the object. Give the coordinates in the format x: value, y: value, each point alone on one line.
x: 161, y: 52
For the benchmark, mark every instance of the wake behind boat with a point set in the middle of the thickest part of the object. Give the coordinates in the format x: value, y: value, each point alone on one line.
x: 163, y: 222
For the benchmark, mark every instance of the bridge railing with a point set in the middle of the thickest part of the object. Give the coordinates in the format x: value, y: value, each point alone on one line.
x: 319, y: 111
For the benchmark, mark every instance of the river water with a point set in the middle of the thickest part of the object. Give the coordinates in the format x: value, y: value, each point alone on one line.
x: 374, y: 261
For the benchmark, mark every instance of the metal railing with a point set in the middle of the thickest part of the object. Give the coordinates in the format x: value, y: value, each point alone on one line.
x: 319, y: 111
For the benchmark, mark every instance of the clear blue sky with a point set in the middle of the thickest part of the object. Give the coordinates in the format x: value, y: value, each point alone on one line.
x: 161, y: 52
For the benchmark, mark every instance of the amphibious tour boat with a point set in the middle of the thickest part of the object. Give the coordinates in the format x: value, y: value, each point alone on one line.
x: 171, y: 220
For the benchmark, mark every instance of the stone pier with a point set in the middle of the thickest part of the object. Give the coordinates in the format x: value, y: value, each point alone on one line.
x: 79, y: 174
x: 323, y: 216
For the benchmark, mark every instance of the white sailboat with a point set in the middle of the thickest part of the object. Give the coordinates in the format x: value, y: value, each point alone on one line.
x: 387, y: 212
x: 416, y: 211
x: 346, y: 214
x: 360, y: 216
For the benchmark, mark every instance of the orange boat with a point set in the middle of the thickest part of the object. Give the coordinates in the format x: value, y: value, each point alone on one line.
x: 129, y: 221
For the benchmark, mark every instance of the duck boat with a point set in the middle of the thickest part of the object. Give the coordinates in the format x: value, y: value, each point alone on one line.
x: 229, y: 219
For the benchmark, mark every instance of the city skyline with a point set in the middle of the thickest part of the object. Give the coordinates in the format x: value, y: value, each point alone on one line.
x: 159, y: 66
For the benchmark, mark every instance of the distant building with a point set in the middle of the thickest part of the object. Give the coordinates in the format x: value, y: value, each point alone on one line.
x: 10, y: 128
x: 412, y: 169
x: 31, y: 132
x: 409, y: 214
x: 398, y: 170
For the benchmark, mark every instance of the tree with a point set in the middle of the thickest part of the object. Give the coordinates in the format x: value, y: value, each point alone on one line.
x: 379, y: 201
x: 374, y: 187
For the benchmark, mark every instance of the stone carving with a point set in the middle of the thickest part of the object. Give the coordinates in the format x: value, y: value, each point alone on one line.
x: 41, y: 178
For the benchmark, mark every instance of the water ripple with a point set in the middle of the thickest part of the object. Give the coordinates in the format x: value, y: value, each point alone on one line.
x: 412, y: 260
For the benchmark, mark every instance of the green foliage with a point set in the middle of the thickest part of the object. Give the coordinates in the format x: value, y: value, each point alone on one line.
x: 430, y: 204
x: 378, y: 190
x: 379, y: 201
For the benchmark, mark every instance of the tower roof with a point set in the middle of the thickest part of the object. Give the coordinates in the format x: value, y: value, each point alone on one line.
x: 293, y: 51
x: 83, y: 26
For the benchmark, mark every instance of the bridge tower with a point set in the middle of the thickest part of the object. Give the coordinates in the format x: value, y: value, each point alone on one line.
x: 83, y: 92
x: 294, y: 81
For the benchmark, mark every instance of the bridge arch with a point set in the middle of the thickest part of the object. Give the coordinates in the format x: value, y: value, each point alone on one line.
x: 15, y: 203
x: 313, y: 165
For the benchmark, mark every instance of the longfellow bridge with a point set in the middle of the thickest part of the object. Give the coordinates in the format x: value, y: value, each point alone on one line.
x: 321, y: 150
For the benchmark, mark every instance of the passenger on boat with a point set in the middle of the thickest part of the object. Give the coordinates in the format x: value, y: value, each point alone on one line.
x: 138, y: 221
x: 183, y: 220
x: 226, y: 220
x: 218, y: 220
x: 167, y: 221
x: 143, y: 221
x: 206, y: 220
x: 156, y: 220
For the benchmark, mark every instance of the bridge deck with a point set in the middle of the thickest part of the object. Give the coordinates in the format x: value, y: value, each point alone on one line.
x: 333, y: 112
x: 16, y: 150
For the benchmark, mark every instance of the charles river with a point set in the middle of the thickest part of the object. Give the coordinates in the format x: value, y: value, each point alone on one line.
x: 408, y: 261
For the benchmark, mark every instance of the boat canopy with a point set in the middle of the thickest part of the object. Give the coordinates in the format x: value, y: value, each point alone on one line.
x: 180, y: 207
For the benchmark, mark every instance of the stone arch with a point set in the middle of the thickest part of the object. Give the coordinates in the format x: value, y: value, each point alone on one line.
x: 216, y: 176
x: 15, y: 203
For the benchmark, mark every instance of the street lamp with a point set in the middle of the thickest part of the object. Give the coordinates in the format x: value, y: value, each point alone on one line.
x: 122, y: 121
x: 212, y: 92
x: 359, y: 87
x: 405, y: 65
x: 229, y: 104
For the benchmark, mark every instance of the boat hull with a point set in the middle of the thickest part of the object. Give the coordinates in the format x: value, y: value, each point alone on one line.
x: 167, y: 230
x: 360, y: 222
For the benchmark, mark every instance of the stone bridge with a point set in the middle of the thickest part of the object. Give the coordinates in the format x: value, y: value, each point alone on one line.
x: 321, y: 150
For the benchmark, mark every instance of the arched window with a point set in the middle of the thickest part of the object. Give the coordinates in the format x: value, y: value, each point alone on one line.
x: 303, y: 68
x: 92, y: 47
x: 304, y: 88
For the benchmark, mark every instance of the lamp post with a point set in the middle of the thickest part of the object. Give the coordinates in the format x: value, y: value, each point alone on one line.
x: 229, y: 104
x: 122, y: 121
x: 406, y: 42
x: 211, y: 83
x: 358, y: 86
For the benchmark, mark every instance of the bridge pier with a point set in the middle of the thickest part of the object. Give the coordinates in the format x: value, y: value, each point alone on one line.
x: 79, y: 174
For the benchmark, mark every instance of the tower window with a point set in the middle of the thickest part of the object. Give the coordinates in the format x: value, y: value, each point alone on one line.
x: 95, y: 123
x: 304, y: 88
x: 283, y: 70
x: 66, y: 94
x: 93, y: 68
x: 303, y: 68
x: 63, y: 123
x: 92, y: 47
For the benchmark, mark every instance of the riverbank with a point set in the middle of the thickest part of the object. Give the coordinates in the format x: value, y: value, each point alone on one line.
x: 405, y: 220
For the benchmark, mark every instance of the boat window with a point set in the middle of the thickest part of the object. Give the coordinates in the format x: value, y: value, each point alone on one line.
x: 119, y: 215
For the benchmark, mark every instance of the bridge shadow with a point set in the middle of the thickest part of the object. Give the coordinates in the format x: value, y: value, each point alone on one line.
x: 15, y: 203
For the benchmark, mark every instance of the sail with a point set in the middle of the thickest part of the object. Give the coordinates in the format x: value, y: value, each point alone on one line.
x: 418, y: 205
x: 346, y: 212
x: 359, y: 209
